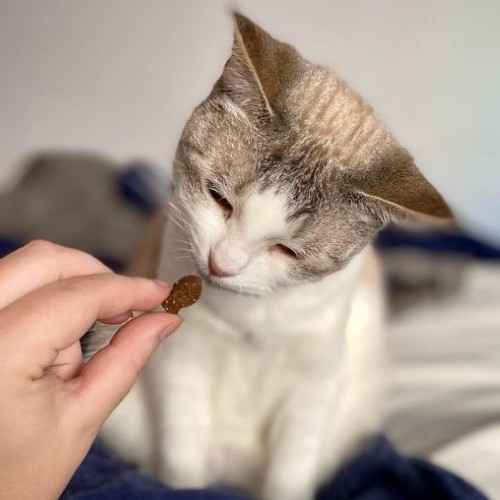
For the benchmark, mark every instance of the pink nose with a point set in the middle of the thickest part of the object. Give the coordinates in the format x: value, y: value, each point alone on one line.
x: 216, y: 269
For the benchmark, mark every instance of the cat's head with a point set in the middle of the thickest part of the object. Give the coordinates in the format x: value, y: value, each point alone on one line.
x: 284, y: 173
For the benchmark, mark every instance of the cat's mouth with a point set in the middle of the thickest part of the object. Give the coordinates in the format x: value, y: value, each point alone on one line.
x: 235, y: 284
x: 228, y: 284
x: 209, y: 279
x: 224, y: 283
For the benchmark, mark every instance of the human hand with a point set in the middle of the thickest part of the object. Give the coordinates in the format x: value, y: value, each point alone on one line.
x: 51, y: 405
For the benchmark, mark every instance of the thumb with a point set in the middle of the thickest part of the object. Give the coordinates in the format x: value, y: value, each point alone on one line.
x: 110, y: 374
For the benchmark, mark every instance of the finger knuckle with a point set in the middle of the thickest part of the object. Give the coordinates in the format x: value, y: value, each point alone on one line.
x: 41, y: 247
x: 89, y: 259
x: 52, y: 251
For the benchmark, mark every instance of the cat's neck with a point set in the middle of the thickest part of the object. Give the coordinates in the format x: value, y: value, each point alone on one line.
x: 312, y: 310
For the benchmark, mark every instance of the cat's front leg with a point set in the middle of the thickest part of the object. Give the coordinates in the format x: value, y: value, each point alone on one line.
x: 181, y: 387
x: 297, y: 440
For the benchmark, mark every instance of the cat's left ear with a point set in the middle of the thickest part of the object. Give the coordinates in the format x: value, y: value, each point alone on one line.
x: 397, y: 186
x: 257, y: 69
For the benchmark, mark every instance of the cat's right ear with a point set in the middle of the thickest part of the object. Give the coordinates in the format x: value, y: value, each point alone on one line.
x: 257, y: 68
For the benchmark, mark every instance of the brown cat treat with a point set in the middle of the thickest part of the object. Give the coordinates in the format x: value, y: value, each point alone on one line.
x: 185, y: 293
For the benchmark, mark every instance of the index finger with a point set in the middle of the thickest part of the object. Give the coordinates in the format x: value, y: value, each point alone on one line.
x: 39, y: 263
x: 39, y: 325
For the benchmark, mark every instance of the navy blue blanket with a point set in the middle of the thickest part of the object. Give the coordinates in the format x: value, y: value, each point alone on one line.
x: 377, y: 473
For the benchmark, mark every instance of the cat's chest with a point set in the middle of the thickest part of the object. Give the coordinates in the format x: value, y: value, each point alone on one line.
x: 251, y: 367
x: 251, y: 380
x: 310, y: 314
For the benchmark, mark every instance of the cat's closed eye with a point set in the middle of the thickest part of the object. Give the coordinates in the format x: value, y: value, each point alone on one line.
x: 222, y: 202
x: 284, y: 250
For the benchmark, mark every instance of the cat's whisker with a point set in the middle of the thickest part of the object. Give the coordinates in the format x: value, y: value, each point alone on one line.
x: 183, y: 241
x: 181, y: 249
x: 176, y: 219
x: 177, y: 210
x: 182, y: 253
x: 174, y: 208
x: 179, y: 217
x: 183, y: 245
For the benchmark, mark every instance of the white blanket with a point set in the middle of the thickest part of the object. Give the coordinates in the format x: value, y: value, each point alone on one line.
x: 447, y: 379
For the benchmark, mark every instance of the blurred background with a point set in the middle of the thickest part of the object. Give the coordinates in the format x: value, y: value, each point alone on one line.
x: 121, y: 77
x: 94, y: 95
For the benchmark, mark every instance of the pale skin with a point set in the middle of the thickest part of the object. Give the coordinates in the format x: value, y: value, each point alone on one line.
x: 52, y: 405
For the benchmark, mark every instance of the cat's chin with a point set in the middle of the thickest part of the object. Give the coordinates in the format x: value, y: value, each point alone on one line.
x: 230, y: 286
x: 223, y: 284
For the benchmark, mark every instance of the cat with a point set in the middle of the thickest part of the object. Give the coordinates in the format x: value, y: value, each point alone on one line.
x: 283, y: 176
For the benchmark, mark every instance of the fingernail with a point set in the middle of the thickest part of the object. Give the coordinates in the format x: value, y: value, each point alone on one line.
x: 171, y: 327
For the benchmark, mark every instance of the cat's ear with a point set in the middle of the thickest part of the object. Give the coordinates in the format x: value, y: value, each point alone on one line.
x: 397, y: 186
x: 256, y: 69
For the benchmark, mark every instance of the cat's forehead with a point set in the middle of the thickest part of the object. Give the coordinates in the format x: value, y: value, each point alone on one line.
x: 332, y: 120
x: 264, y: 214
x: 310, y: 186
x: 229, y: 150
x: 319, y: 121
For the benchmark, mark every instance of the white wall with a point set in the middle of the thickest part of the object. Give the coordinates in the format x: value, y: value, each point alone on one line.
x: 122, y: 76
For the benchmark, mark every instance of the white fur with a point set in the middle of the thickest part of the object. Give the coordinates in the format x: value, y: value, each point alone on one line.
x: 241, y: 242
x: 267, y: 393
x: 261, y: 219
